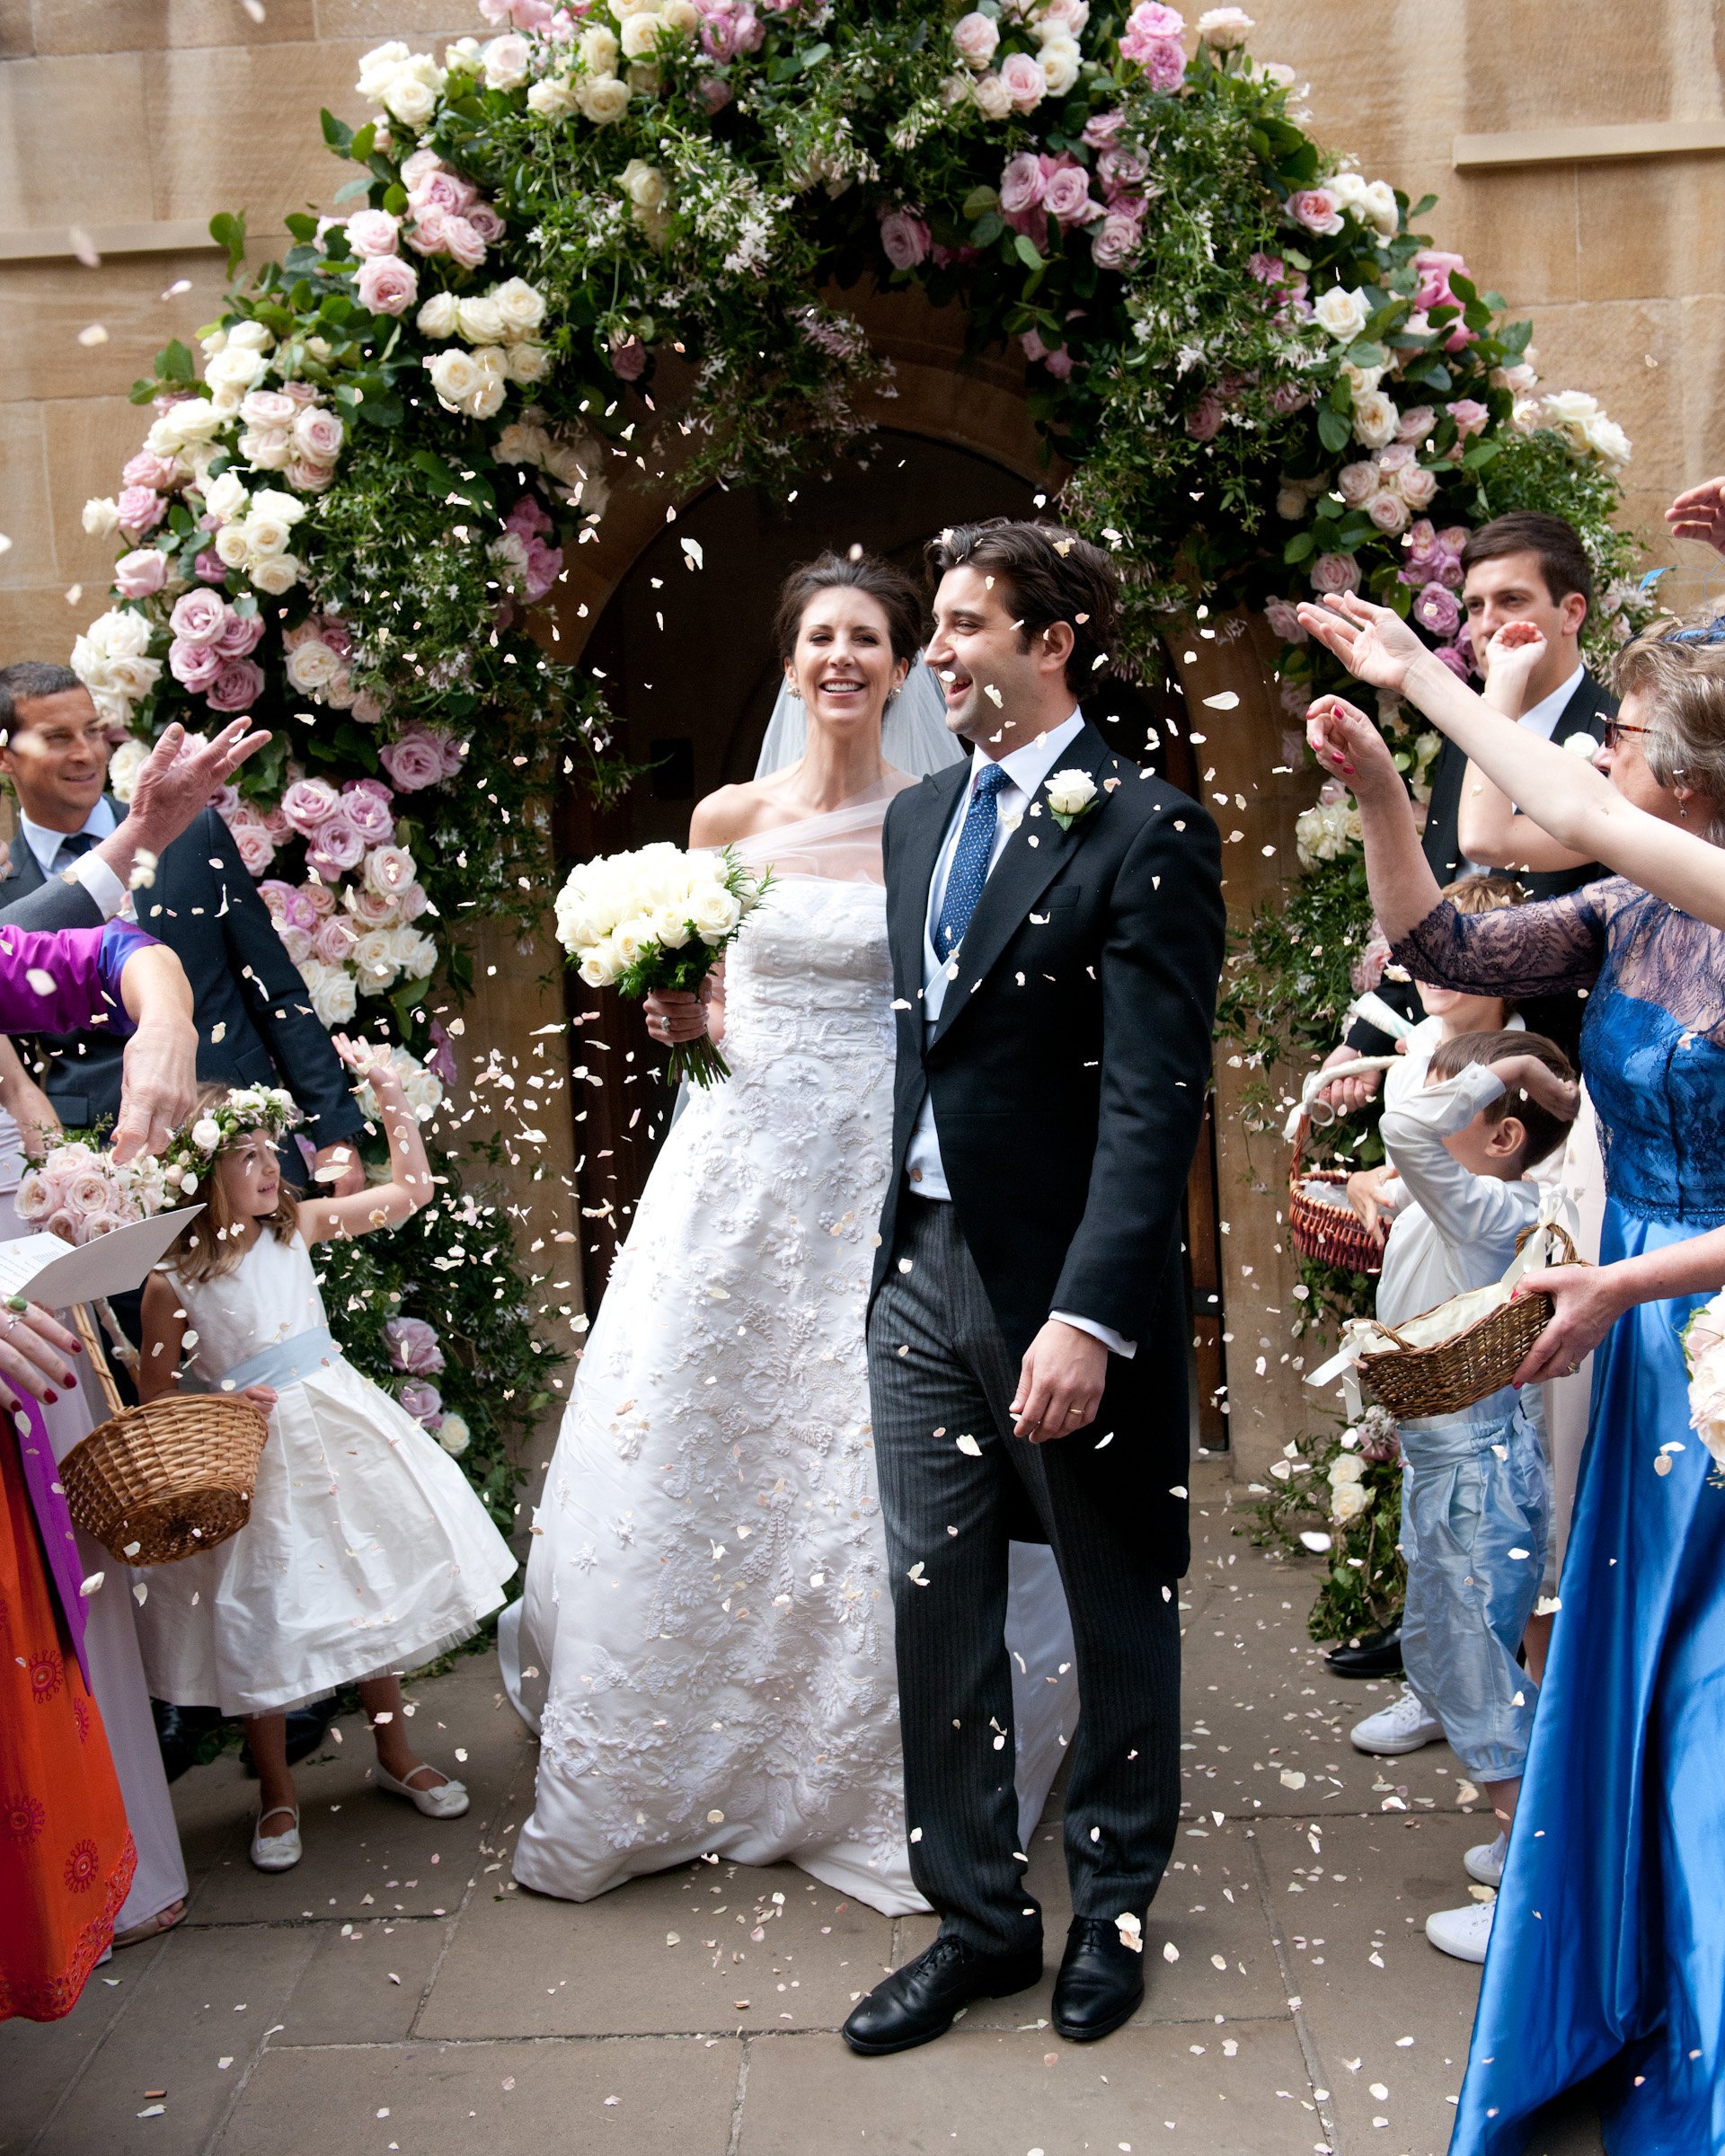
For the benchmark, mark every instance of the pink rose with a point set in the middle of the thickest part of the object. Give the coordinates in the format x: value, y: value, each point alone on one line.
x: 715, y: 92
x: 1437, y: 611
x: 1287, y: 398
x: 368, y: 814
x: 241, y: 635
x: 1398, y: 457
x: 210, y: 568
x: 1101, y: 128
x: 337, y: 848
x: 1470, y: 416
x: 1334, y: 573
x: 308, y: 804
x: 426, y: 235
x: 373, y: 232
x: 1114, y: 241
x: 1434, y: 269
x: 254, y: 846
x: 367, y: 709
x: 1024, y: 80
x: 1120, y: 171
x: 1357, y: 483
x: 413, y: 1347
x: 629, y: 359
x: 437, y: 188
x: 1388, y: 512
x: 412, y: 902
x: 422, y: 1401
x: 270, y: 407
x: 1068, y: 197
x: 334, y: 942
x: 199, y: 617
x: 141, y: 574
x: 193, y: 666
x: 305, y: 478
x: 1035, y: 350
x: 1204, y: 420
x: 386, y: 285
x: 1059, y: 365
x: 1023, y: 184
x: 237, y: 686
x: 1417, y: 422
x: 275, y: 895
x: 1283, y: 619
x: 1317, y: 208
x: 1267, y: 269
x: 1150, y: 20
x: 141, y: 508
x: 318, y: 434
x: 1418, y: 486
x: 156, y: 472
x: 319, y: 899
x: 905, y: 238
x: 974, y: 40
x: 1454, y: 659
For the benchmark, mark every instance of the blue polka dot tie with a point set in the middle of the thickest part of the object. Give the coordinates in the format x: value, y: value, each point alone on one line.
x: 970, y: 859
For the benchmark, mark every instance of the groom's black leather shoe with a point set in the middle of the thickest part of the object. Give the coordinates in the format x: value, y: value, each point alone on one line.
x: 1101, y: 1983
x: 919, y: 2002
x: 1378, y: 1655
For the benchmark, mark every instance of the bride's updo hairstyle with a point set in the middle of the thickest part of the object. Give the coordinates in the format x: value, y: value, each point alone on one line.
x: 891, y: 589
x: 1678, y: 670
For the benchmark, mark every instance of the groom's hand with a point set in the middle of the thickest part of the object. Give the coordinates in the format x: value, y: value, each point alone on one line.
x: 1059, y: 1383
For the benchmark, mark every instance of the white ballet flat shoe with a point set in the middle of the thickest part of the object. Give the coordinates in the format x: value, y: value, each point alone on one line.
x: 1484, y: 1862
x: 1463, y: 1934
x: 277, y: 1852
x: 447, y: 1800
x: 1403, y: 1725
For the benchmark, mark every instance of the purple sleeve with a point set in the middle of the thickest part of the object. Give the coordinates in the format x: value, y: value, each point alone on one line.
x: 1547, y: 948
x: 65, y: 980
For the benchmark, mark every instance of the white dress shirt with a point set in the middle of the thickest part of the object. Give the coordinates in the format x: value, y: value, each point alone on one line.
x: 96, y: 877
x: 1025, y: 770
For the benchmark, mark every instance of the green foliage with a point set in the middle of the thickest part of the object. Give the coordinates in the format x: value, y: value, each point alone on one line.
x: 1364, y: 1580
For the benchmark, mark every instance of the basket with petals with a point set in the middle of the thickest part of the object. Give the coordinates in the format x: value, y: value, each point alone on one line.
x: 162, y: 1481
x: 1321, y: 1218
x: 1466, y: 1349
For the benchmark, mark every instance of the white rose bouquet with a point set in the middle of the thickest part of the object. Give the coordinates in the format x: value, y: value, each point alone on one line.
x: 659, y: 918
x: 1704, y: 1350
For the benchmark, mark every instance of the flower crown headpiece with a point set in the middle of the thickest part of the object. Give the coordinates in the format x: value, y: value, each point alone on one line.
x: 194, y: 1150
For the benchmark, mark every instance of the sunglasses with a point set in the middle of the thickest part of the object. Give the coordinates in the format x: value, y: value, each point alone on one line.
x: 1616, y: 730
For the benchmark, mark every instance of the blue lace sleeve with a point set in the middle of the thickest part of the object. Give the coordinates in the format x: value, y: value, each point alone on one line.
x: 1547, y: 948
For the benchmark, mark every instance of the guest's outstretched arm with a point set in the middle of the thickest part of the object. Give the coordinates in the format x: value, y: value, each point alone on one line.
x: 1349, y: 747
x: 1489, y: 829
x: 1578, y: 805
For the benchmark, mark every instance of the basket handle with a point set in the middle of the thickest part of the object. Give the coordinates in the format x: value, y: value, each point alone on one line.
x: 1316, y: 1081
x: 85, y: 1326
x: 1559, y: 1233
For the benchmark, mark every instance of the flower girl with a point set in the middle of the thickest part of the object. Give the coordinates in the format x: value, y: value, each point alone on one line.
x: 367, y: 1550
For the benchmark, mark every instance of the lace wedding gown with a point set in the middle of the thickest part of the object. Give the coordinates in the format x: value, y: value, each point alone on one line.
x: 707, y: 1610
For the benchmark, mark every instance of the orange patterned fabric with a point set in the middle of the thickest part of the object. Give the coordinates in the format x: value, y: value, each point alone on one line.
x: 65, y: 1855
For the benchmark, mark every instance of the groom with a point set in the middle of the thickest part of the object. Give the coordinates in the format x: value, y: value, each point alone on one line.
x: 1056, y: 923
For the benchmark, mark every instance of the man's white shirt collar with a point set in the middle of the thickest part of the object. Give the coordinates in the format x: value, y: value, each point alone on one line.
x: 101, y: 823
x: 1541, y: 718
x: 1027, y: 767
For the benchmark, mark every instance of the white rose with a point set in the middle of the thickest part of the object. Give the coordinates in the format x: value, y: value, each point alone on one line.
x: 479, y: 320
x: 487, y: 400
x: 603, y: 98
x: 1583, y: 746
x: 206, y: 1133
x: 120, y: 633
x: 275, y: 574
x: 598, y: 968
x: 1607, y: 440
x: 225, y: 498
x: 377, y: 66
x: 644, y: 184
x: 264, y: 536
x: 993, y: 99
x: 519, y: 307
x: 1060, y: 58
x: 334, y: 997
x: 416, y: 955
x: 133, y: 678
x: 374, y: 959
x: 640, y: 35
x: 1346, y: 1467
x: 453, y: 1434
x: 554, y: 98
x: 1349, y: 1501
x: 1343, y: 314
x: 1377, y: 206
x: 670, y: 927
x: 1071, y: 792
x: 1570, y: 412
x: 528, y: 362
x: 235, y: 368
x: 520, y: 444
x: 100, y: 516
x: 270, y: 501
x: 231, y: 546
x: 713, y: 911
x: 505, y: 63
x: 123, y: 768
x: 455, y: 376
x: 1375, y: 419
x: 599, y: 49
x: 267, y: 448
x: 411, y: 95
x: 680, y: 14
x: 296, y: 941
x: 634, y: 939
x: 192, y: 420
x: 312, y: 664
x: 439, y: 316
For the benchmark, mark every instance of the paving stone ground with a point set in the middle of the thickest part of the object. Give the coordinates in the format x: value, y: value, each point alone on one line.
x: 397, y: 1994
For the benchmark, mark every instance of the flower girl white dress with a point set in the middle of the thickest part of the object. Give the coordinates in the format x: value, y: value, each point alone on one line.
x: 368, y: 1551
x: 707, y: 1629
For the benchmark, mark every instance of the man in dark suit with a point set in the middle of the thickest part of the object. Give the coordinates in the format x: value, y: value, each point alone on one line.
x: 1056, y: 926
x: 1523, y: 567
x: 255, y: 1024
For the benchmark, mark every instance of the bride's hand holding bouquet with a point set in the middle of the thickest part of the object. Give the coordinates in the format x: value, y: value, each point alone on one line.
x: 654, y: 925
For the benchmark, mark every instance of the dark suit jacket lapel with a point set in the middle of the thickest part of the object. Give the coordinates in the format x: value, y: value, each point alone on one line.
x: 26, y: 876
x: 1028, y: 862
x: 920, y: 818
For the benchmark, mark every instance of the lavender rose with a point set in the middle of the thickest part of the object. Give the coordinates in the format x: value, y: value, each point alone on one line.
x: 413, y: 1347
x: 369, y: 812
x: 140, y: 509
x: 1437, y: 612
x: 1114, y: 241
x: 1068, y: 197
x: 308, y: 804
x: 1023, y: 184
x: 237, y: 686
x: 413, y: 761
x: 1282, y: 618
x: 193, y: 666
x: 905, y: 237
x: 421, y: 1400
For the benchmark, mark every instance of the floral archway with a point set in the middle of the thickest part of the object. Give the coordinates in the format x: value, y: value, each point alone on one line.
x: 622, y: 229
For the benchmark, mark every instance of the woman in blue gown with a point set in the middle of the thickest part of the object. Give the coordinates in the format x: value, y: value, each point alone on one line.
x: 1607, y: 1959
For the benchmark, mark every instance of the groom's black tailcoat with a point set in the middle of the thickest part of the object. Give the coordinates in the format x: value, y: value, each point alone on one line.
x: 1068, y: 1070
x: 1068, y: 1073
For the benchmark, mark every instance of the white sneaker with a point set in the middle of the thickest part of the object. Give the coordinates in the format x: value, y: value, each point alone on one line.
x: 1463, y: 1934
x: 1404, y: 1726
x: 1485, y: 1861
x: 277, y: 1852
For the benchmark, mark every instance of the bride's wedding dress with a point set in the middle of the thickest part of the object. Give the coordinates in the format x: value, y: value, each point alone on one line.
x: 707, y: 1625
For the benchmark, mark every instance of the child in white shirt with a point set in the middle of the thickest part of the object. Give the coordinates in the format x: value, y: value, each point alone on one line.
x: 1476, y: 1497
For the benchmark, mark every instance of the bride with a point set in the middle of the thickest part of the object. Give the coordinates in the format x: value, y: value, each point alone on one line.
x: 707, y: 1606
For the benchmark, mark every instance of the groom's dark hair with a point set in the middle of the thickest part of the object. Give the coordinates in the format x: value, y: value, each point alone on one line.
x: 1050, y: 576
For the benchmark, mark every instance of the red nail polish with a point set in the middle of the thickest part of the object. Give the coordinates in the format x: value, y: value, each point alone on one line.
x: 50, y: 1397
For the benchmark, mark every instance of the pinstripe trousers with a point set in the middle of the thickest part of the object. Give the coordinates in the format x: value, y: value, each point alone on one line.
x: 939, y: 1372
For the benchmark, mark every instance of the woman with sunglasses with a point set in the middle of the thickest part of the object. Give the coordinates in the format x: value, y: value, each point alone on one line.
x: 1607, y: 1950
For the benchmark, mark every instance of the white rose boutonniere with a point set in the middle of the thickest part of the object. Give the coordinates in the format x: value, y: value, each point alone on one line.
x: 1071, y: 794
x: 1581, y: 744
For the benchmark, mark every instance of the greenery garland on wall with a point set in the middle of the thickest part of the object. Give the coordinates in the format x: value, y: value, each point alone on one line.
x: 343, y: 520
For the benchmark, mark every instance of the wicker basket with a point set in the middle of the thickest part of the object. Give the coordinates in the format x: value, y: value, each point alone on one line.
x: 1332, y: 1235
x: 1471, y: 1365
x: 159, y: 1483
